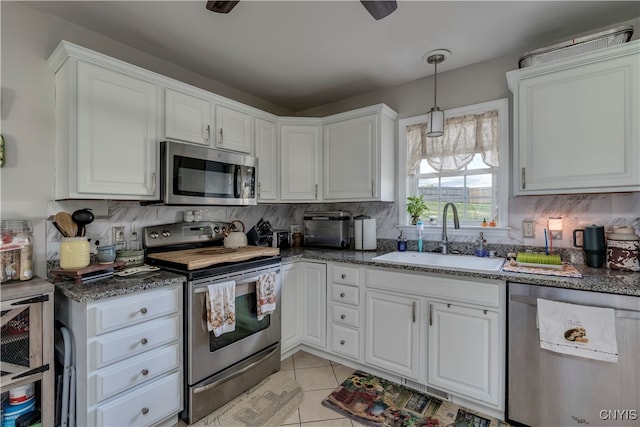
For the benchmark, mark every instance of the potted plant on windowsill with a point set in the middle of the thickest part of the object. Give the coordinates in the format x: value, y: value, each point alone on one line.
x: 416, y: 206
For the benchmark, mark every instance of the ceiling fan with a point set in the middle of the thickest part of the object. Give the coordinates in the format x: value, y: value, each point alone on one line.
x: 377, y: 8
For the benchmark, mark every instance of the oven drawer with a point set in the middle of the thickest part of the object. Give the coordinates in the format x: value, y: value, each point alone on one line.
x: 138, y: 370
x: 345, y: 315
x: 132, y: 309
x: 348, y: 275
x: 144, y: 406
x: 345, y: 341
x: 127, y: 342
x: 345, y: 294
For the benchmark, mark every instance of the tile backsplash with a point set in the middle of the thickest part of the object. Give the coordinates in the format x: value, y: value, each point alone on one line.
x: 576, y: 211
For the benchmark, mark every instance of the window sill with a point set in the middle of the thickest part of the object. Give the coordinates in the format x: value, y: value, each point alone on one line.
x: 434, y: 232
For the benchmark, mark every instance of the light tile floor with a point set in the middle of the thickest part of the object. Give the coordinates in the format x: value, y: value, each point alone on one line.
x: 318, y: 377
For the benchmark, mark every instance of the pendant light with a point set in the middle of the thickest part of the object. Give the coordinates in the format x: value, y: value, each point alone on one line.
x: 435, y: 117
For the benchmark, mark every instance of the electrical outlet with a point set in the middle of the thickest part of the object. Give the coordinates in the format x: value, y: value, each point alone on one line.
x: 117, y: 235
x: 527, y: 229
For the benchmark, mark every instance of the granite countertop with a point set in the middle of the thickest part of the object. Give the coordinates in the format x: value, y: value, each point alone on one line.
x: 594, y: 279
x: 116, y: 285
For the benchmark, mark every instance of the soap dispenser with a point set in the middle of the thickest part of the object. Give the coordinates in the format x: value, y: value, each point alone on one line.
x: 402, y: 243
x: 481, y: 246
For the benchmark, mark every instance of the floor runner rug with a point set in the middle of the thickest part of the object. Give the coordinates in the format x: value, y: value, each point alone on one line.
x: 373, y: 401
x: 270, y: 403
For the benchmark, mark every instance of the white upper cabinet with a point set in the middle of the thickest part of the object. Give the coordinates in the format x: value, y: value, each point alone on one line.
x: 233, y: 130
x: 106, y: 129
x: 267, y: 153
x: 187, y: 118
x: 359, y: 155
x: 299, y: 157
x: 576, y: 127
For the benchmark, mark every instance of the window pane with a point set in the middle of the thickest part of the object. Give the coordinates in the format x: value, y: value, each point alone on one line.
x: 476, y: 162
x: 430, y: 189
x: 425, y: 167
x: 479, y: 205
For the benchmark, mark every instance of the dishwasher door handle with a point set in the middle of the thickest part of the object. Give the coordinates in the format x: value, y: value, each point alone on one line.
x: 533, y: 301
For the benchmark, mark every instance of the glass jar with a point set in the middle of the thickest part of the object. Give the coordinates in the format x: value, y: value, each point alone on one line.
x: 16, y: 250
x: 74, y: 253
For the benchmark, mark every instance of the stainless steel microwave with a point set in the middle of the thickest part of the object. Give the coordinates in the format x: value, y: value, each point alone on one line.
x: 192, y: 175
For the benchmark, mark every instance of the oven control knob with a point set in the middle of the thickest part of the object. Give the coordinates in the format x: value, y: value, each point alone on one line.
x: 166, y: 233
x: 153, y: 234
x: 216, y: 229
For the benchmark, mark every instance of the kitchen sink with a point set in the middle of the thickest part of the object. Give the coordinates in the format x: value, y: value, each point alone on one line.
x: 435, y: 260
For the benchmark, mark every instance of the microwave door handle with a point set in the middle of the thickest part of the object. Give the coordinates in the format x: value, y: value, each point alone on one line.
x: 236, y: 182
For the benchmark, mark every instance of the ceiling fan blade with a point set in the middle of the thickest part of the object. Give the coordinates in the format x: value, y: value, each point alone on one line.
x: 379, y: 8
x: 221, y: 6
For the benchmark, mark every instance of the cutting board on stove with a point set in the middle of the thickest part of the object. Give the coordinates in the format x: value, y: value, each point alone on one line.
x: 193, y: 259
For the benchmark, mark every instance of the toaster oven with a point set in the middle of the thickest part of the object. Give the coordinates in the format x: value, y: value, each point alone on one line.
x: 327, y: 229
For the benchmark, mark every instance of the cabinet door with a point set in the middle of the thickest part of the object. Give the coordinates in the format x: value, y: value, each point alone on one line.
x: 233, y: 130
x: 578, y: 129
x: 291, y: 299
x: 300, y: 154
x: 349, y: 158
x: 314, y: 296
x: 464, y: 351
x: 392, y: 333
x: 116, y: 134
x: 267, y: 154
x: 187, y: 118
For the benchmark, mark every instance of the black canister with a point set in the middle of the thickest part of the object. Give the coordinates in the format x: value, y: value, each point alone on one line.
x: 594, y: 245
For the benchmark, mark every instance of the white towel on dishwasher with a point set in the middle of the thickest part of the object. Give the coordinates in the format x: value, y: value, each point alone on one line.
x: 221, y: 307
x: 266, y: 294
x: 578, y: 330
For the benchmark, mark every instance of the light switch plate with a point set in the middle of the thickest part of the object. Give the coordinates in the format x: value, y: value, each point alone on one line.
x: 527, y: 229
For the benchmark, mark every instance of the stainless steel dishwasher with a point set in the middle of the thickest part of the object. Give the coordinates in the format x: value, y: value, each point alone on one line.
x: 551, y: 389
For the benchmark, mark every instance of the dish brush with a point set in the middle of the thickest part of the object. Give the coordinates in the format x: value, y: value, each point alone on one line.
x: 539, y: 260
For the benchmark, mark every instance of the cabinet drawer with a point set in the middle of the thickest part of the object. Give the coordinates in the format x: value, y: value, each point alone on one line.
x: 127, y: 342
x: 143, y: 406
x: 348, y: 275
x: 345, y: 294
x: 130, y: 310
x: 345, y: 341
x: 131, y: 372
x: 346, y: 315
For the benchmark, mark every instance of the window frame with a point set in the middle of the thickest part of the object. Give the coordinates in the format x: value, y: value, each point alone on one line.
x: 408, y: 186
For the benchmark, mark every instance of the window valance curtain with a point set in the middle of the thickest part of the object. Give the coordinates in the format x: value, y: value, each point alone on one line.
x: 464, y: 136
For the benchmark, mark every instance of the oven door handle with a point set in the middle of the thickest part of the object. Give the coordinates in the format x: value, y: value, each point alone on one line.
x: 238, y: 283
x: 235, y: 374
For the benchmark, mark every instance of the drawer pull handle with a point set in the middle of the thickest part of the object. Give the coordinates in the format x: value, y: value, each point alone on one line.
x: 342, y: 295
x: 145, y: 372
x: 344, y: 276
x: 341, y: 342
x: 145, y: 411
x: 342, y: 316
x: 143, y: 310
x: 143, y: 341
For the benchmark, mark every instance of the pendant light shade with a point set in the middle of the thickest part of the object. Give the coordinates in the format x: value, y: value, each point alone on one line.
x: 435, y: 117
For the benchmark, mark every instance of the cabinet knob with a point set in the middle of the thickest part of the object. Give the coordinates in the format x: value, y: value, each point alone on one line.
x: 342, y: 316
x: 143, y: 341
x: 344, y: 276
x: 145, y: 372
x: 145, y: 411
x: 341, y: 342
x: 143, y: 310
x: 342, y: 295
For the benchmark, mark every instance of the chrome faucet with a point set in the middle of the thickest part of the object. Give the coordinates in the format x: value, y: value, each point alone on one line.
x: 456, y: 224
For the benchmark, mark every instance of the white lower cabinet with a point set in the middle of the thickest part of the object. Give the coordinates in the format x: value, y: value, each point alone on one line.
x: 290, y: 299
x: 313, y: 277
x: 392, y: 333
x: 463, y: 351
x: 345, y: 308
x: 128, y: 357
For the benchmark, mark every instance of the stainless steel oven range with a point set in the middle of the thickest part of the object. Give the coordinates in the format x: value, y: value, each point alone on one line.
x: 217, y: 369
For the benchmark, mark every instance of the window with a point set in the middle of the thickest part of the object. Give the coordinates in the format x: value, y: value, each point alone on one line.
x: 468, y: 165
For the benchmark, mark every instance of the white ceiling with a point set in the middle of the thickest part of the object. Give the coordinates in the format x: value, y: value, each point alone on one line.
x: 302, y: 54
